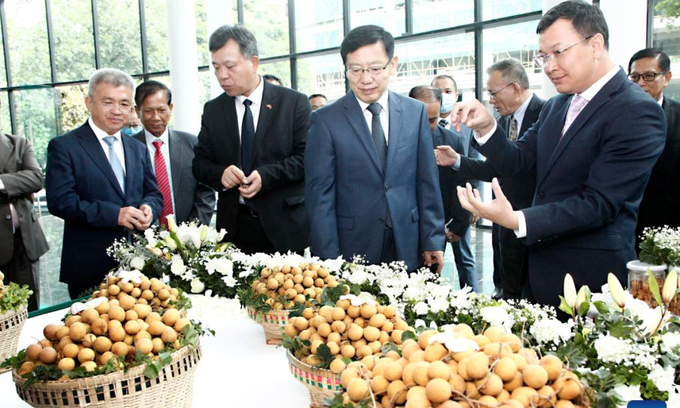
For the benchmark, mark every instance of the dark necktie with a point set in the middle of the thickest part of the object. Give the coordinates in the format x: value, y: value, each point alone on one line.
x: 444, y: 123
x: 378, y: 134
x: 247, y: 139
x: 163, y: 182
x: 513, y: 128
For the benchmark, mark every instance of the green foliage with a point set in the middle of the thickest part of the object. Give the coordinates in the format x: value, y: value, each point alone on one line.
x: 325, y: 355
x: 330, y: 296
x: 13, y: 296
x: 298, y: 347
x: 654, y: 287
x: 14, y: 362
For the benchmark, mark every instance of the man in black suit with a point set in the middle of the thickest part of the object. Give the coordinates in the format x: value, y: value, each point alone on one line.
x: 457, y: 219
x: 651, y: 69
x: 251, y: 150
x: 174, y: 150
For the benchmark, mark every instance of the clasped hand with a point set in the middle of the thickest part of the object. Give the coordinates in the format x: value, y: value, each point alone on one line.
x: 248, y: 186
x: 131, y: 217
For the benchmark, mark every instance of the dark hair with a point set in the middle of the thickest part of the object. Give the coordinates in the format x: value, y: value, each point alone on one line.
x: 455, y: 85
x: 148, y: 88
x: 424, y: 93
x: 661, y: 57
x: 512, y: 71
x: 312, y: 96
x: 366, y: 35
x: 270, y: 77
x: 587, y: 19
x: 243, y: 37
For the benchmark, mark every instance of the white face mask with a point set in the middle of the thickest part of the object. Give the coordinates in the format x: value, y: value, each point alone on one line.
x: 448, y: 100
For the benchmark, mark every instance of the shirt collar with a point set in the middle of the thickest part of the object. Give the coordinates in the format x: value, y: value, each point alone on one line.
x: 101, y: 134
x: 519, y: 113
x: 590, y: 93
x: 661, y: 101
x: 382, y: 101
x: 255, y: 96
x: 151, y: 138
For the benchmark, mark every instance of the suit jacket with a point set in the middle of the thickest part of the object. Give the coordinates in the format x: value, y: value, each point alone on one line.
x: 348, y: 194
x: 520, y: 188
x: 448, y: 181
x: 83, y: 190
x: 661, y: 200
x: 21, y: 175
x: 193, y: 200
x: 278, y: 157
x: 589, y: 183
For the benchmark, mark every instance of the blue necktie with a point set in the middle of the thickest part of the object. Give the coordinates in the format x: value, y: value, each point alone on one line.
x: 115, y: 163
x: 247, y: 139
x: 378, y: 134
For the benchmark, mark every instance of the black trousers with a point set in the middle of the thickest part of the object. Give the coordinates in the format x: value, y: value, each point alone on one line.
x: 497, y: 258
x: 22, y: 271
x: 515, y: 261
x: 250, y: 236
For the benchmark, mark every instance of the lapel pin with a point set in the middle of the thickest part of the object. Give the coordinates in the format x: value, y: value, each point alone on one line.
x: 269, y: 106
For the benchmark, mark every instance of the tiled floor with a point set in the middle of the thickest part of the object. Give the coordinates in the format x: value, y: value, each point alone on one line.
x: 54, y: 292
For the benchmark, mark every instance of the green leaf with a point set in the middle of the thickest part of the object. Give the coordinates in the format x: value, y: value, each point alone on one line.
x: 324, y: 353
x: 602, y: 307
x: 564, y: 306
x: 654, y: 287
x: 14, y: 362
x: 571, y: 353
x: 406, y: 335
x: 389, y: 346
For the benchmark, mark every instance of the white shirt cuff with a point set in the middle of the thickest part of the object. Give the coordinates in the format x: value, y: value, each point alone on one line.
x: 456, y: 165
x: 2, y: 185
x: 521, y: 230
x: 481, y: 139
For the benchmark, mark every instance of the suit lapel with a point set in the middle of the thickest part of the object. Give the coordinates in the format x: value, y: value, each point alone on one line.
x: 396, y: 125
x: 176, y: 158
x: 266, y: 112
x: 6, y: 148
x: 530, y: 116
x: 93, y: 148
x: 356, y: 119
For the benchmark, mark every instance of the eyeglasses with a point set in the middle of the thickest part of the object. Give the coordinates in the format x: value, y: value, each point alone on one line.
x: 542, y: 60
x: 493, y: 94
x: 373, y: 71
x: 647, y: 76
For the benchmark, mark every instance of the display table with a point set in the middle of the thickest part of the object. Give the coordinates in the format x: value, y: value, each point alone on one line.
x: 237, y: 368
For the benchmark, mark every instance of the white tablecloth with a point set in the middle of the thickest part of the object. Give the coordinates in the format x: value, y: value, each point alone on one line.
x: 238, y: 369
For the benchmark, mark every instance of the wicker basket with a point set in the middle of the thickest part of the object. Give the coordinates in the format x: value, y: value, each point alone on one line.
x: 172, y: 388
x: 322, y: 384
x: 273, y: 322
x: 11, y: 324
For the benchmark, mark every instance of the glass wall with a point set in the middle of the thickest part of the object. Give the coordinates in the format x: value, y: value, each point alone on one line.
x: 54, y: 45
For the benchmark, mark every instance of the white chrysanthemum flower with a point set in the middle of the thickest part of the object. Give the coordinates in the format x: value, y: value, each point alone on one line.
x: 137, y: 262
x: 662, y: 377
x: 552, y: 331
x: 439, y: 304
x: 358, y: 277
x: 229, y: 281
x: 611, y: 349
x: 670, y: 342
x: 177, y: 266
x: 421, y: 308
x: 627, y: 393
x: 197, y: 286
x: 363, y: 298
x: 497, y: 316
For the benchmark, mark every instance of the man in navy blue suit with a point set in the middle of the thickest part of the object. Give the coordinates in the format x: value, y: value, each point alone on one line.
x: 100, y: 183
x: 592, y: 148
x: 371, y: 182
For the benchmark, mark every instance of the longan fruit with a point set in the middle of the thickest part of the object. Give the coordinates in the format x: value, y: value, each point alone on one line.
x: 438, y: 390
x: 66, y: 364
x: 86, y: 354
x: 77, y: 331
x: 102, y: 344
x: 535, y: 376
x: 169, y: 335
x: 33, y: 351
x: 89, y: 315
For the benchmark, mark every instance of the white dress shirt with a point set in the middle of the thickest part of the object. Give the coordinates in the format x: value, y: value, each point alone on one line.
x: 384, y: 115
x: 519, y: 113
x: 117, y: 145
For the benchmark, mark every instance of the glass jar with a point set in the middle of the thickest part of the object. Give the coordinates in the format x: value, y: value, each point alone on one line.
x: 638, y: 281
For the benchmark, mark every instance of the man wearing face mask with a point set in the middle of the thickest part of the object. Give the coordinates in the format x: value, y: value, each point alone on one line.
x: 462, y: 252
x: 133, y: 126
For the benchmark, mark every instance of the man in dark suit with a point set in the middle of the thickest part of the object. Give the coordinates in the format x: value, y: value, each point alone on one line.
x: 519, y: 108
x: 22, y: 241
x: 456, y: 217
x: 100, y: 183
x: 251, y: 150
x: 172, y: 151
x: 592, y: 162
x: 372, y: 186
x: 466, y: 266
x: 651, y: 69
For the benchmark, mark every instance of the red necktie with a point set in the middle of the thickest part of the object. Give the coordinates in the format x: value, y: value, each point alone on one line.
x: 163, y: 183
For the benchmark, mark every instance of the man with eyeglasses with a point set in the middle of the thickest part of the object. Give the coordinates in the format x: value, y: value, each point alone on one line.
x: 371, y: 181
x: 251, y: 150
x: 100, y: 183
x: 651, y: 69
x: 592, y: 149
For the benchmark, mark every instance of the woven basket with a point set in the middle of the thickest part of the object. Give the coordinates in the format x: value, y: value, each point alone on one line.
x: 322, y: 384
x: 273, y: 322
x: 172, y: 388
x: 11, y: 324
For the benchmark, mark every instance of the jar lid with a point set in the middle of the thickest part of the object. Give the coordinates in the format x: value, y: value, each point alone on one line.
x: 643, y: 266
